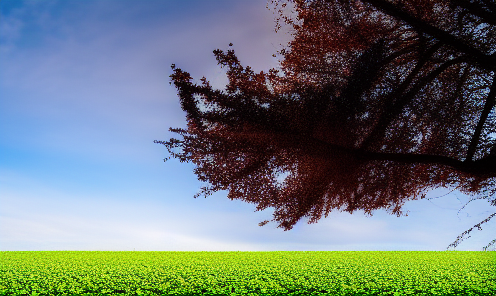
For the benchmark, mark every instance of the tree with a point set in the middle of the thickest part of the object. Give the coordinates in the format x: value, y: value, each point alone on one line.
x: 376, y: 102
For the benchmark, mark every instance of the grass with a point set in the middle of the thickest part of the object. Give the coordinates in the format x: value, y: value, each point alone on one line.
x: 247, y: 273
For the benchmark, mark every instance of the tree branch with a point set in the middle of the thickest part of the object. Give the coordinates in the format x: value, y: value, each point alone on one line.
x: 394, y: 110
x: 476, y: 10
x: 484, y: 61
x: 319, y: 148
x: 484, y: 166
x: 489, y: 244
x: 490, y: 103
x: 466, y: 232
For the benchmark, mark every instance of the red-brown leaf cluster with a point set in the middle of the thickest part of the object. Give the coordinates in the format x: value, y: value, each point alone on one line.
x: 375, y: 103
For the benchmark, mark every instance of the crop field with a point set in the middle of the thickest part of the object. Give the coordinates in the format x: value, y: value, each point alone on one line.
x: 247, y: 273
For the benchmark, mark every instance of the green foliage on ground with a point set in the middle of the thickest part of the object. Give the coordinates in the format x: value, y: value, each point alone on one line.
x: 247, y: 273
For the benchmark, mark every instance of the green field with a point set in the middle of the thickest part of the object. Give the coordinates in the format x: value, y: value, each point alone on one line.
x: 247, y: 273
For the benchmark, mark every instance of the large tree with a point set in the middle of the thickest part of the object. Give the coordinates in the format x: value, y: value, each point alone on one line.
x: 375, y: 103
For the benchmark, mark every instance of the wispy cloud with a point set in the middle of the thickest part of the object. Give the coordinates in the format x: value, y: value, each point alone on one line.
x: 114, y: 73
x: 40, y: 217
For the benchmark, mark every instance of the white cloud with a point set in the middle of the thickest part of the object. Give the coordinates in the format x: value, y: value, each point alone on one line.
x: 106, y: 83
x: 38, y: 217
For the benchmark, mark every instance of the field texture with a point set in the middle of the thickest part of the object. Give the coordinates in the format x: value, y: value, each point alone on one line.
x: 247, y: 273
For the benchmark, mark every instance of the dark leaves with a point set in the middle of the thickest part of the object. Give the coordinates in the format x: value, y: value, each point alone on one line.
x: 367, y: 112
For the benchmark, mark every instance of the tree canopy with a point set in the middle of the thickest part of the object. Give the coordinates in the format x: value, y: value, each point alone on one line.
x: 375, y: 103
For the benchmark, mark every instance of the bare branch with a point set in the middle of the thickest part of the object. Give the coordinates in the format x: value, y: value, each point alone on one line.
x: 476, y: 9
x: 484, y: 61
x: 461, y: 237
x: 490, y: 103
x: 394, y: 109
x: 490, y: 244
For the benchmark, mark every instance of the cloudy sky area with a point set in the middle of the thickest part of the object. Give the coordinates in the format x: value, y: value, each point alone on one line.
x: 84, y: 91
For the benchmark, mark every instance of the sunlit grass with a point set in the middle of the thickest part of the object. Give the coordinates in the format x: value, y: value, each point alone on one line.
x: 247, y: 273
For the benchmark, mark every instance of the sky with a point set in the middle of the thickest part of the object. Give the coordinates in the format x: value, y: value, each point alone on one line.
x: 84, y: 91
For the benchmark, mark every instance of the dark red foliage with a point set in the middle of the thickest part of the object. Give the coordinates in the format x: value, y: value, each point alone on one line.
x: 376, y: 103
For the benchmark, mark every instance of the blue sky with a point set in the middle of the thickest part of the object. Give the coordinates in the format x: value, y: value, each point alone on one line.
x: 84, y: 91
